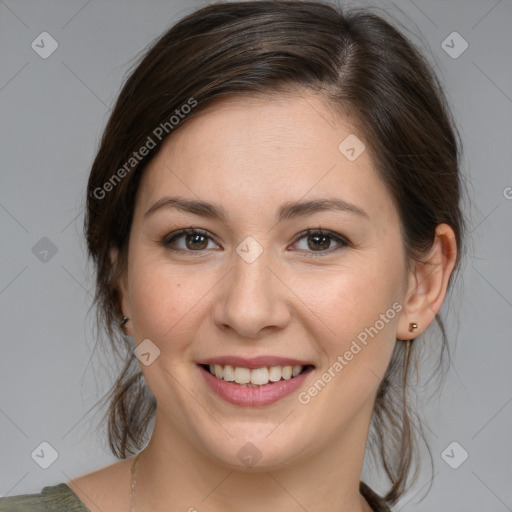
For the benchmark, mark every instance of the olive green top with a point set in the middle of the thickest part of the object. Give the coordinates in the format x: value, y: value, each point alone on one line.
x: 60, y: 498
x: 56, y: 498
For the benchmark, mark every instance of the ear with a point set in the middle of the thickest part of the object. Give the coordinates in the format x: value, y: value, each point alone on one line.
x: 122, y: 286
x: 427, y: 285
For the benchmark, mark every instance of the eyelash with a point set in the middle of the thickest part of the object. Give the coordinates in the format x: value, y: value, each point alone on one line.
x: 308, y: 232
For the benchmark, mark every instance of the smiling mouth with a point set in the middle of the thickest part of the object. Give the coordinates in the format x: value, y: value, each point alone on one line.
x: 256, y: 377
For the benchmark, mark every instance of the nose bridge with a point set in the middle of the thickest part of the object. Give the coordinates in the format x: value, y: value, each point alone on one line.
x: 252, y: 297
x: 252, y: 275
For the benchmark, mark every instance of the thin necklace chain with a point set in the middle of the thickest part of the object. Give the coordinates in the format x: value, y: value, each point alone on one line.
x: 133, y: 482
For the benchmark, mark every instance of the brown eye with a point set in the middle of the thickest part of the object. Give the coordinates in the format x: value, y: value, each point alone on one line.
x: 195, y: 242
x: 188, y: 240
x: 320, y: 241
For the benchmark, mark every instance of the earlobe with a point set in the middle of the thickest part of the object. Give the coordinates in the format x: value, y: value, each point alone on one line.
x: 428, y: 283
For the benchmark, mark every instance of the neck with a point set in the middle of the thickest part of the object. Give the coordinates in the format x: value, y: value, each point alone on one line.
x: 173, y: 471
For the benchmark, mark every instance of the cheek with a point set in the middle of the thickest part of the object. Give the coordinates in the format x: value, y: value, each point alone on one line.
x: 163, y: 297
x: 354, y: 325
x: 360, y: 303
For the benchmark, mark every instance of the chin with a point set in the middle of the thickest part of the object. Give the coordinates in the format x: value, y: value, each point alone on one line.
x: 254, y: 451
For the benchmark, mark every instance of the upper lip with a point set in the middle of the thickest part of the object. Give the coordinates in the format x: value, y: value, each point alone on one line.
x: 254, y: 362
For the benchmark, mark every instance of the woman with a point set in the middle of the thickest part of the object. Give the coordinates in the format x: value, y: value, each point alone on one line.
x: 274, y: 217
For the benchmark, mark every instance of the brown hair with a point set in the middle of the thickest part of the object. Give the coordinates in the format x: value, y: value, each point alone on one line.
x: 363, y: 66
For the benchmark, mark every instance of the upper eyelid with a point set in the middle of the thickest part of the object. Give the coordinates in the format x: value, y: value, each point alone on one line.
x: 322, y: 231
x: 188, y: 231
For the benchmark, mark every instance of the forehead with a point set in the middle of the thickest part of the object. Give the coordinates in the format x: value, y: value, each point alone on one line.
x: 246, y: 152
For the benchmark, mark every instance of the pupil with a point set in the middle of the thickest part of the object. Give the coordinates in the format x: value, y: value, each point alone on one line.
x: 325, y: 245
x: 194, y: 242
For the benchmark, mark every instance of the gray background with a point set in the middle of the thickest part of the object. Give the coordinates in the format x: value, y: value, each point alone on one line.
x: 53, y: 112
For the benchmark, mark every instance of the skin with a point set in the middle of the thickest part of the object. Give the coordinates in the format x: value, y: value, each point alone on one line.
x: 250, y: 156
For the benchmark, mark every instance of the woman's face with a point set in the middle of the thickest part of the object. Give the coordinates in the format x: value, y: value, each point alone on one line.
x: 253, y: 289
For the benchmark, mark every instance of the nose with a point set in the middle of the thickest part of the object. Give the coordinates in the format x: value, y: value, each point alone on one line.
x: 252, y: 300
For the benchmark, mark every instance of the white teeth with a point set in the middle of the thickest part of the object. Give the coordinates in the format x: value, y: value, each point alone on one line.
x: 259, y: 376
x: 242, y: 375
x: 229, y: 373
x: 256, y: 376
x: 275, y: 373
x: 287, y: 372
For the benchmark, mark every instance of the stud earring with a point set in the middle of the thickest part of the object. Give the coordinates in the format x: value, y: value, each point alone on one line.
x: 124, y: 321
x: 413, y: 326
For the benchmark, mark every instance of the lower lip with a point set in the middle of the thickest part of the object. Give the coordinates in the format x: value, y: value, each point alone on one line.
x: 262, y: 395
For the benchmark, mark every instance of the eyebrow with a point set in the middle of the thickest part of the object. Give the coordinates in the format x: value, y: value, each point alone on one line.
x: 287, y: 211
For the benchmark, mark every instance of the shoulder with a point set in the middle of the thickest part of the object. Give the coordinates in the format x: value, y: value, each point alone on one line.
x: 376, y: 502
x: 104, y: 490
x: 56, y: 498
